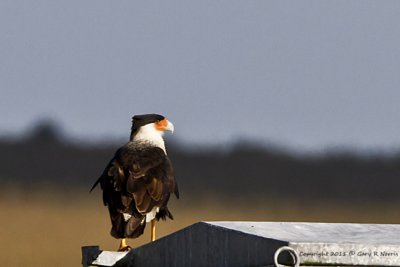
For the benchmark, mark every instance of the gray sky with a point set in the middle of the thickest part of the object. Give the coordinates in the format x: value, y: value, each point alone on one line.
x: 305, y: 74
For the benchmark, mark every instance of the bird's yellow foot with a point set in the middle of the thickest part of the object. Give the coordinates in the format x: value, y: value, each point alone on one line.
x: 123, y: 246
x: 126, y: 248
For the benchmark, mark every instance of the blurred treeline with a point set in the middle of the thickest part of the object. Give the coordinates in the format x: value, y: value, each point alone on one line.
x: 246, y: 170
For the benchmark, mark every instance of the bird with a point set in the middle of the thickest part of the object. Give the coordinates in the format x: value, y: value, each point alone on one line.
x: 139, y: 179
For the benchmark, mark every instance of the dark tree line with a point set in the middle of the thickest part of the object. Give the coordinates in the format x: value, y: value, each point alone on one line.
x: 44, y: 157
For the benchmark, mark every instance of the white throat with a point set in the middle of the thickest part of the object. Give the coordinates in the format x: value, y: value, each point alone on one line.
x: 149, y: 134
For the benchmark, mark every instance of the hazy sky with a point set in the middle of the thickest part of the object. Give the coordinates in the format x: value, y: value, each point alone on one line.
x: 306, y: 74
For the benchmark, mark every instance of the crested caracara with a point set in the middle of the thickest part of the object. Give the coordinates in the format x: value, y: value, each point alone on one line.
x: 139, y: 180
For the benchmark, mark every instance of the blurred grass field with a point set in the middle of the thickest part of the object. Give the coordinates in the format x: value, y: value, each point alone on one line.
x: 48, y: 227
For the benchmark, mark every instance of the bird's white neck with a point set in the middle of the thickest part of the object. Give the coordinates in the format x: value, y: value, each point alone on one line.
x: 149, y: 134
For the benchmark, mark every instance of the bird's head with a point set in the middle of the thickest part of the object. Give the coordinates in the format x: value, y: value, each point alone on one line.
x: 149, y: 126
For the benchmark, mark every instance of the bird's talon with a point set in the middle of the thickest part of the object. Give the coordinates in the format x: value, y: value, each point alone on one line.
x: 123, y: 249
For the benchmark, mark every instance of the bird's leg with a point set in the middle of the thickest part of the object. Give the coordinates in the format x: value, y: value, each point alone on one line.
x: 123, y: 246
x: 153, y: 229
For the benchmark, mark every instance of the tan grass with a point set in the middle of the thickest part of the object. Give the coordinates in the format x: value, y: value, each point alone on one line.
x: 48, y: 228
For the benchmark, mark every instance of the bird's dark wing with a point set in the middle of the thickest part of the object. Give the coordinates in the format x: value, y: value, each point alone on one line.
x: 150, y: 177
x: 134, y: 182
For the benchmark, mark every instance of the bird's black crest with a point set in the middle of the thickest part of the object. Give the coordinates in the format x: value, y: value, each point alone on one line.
x: 141, y: 120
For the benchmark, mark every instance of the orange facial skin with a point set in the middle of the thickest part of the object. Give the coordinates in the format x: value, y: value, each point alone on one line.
x: 161, y: 125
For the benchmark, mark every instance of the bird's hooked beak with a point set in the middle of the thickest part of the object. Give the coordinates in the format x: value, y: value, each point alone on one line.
x: 170, y: 127
x: 164, y: 125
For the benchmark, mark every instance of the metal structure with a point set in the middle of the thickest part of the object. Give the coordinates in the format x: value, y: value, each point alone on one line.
x: 262, y: 244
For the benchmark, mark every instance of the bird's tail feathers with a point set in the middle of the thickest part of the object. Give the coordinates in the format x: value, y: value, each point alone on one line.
x: 135, y: 227
x: 163, y: 213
